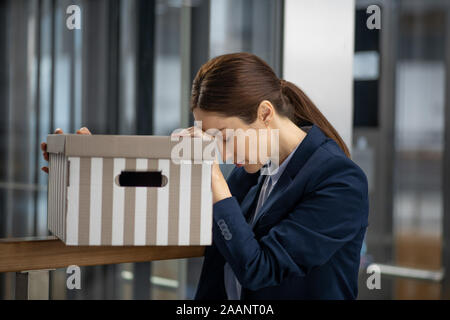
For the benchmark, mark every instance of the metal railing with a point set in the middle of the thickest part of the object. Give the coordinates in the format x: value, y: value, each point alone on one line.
x: 409, y: 273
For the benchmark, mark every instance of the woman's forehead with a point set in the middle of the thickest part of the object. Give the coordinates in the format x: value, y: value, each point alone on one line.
x: 213, y: 121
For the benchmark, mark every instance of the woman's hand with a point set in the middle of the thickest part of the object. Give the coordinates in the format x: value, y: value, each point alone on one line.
x: 83, y: 130
x: 218, y: 184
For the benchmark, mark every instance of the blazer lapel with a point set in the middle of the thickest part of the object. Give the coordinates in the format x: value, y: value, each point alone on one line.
x: 274, y: 196
x: 312, y: 141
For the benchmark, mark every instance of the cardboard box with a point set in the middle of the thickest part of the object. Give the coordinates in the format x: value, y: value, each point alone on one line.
x: 128, y: 190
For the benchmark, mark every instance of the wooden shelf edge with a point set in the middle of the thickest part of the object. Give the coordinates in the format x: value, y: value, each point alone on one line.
x: 51, y: 253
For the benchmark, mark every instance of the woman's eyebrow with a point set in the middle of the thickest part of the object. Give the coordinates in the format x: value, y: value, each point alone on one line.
x: 216, y: 131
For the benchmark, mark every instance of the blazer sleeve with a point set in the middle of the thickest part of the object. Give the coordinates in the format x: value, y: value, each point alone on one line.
x: 240, y: 181
x: 329, y: 216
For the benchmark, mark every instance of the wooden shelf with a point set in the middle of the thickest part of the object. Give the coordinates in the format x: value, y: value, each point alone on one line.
x: 22, y: 254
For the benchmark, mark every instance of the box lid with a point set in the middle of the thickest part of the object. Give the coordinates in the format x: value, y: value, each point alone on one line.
x: 123, y: 146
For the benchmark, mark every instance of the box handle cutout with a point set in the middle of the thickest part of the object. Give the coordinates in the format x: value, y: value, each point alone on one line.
x: 141, y: 179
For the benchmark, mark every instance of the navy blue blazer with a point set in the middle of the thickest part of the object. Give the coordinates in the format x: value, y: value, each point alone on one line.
x: 306, y: 243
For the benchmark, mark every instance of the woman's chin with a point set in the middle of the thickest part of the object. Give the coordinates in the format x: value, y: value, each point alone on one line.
x: 251, y: 168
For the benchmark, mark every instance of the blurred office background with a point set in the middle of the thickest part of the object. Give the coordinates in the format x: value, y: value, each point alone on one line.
x: 129, y: 69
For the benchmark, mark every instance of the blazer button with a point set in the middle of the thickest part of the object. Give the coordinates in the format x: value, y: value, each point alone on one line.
x: 227, y: 236
x: 221, y: 224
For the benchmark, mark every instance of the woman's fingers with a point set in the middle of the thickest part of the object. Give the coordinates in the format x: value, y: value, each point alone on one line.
x: 192, y: 132
x: 183, y: 133
x: 44, y: 150
x: 44, y: 145
x: 45, y: 154
x: 84, y: 130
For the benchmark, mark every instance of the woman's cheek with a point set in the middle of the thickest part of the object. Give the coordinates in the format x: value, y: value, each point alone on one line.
x: 252, y: 168
x: 240, y: 152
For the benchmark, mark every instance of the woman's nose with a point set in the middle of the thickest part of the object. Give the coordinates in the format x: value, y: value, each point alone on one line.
x: 227, y: 152
x: 221, y: 149
x: 228, y: 156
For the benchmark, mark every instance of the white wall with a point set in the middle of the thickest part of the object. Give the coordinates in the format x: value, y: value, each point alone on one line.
x: 318, y: 56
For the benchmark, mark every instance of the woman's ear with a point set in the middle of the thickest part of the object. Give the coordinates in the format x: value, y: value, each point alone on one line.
x: 266, y: 112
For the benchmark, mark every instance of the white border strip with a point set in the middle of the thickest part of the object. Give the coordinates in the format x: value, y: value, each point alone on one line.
x: 95, y: 210
x: 206, y: 206
x: 184, y: 202
x: 73, y: 202
x: 118, y: 204
x: 162, y: 220
x: 140, y: 213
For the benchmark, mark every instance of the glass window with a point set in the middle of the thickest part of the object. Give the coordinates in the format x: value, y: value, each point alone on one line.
x: 128, y: 70
x: 419, y: 145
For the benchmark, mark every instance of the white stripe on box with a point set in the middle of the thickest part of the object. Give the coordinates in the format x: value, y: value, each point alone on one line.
x: 50, y: 195
x: 73, y: 202
x: 140, y: 213
x: 162, y: 215
x: 95, y: 211
x: 56, y: 185
x: 60, y: 190
x: 185, y: 202
x: 55, y: 194
x: 57, y: 189
x: 60, y: 194
x: 118, y: 204
x: 206, y: 206
x: 66, y: 181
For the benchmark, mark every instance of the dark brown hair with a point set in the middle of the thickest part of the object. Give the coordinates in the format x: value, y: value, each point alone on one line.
x: 234, y: 85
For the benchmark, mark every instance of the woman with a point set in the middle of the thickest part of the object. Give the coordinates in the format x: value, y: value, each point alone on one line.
x: 296, y: 232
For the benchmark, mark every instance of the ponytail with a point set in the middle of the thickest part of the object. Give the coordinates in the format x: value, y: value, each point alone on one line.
x: 302, y: 111
x: 234, y: 84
